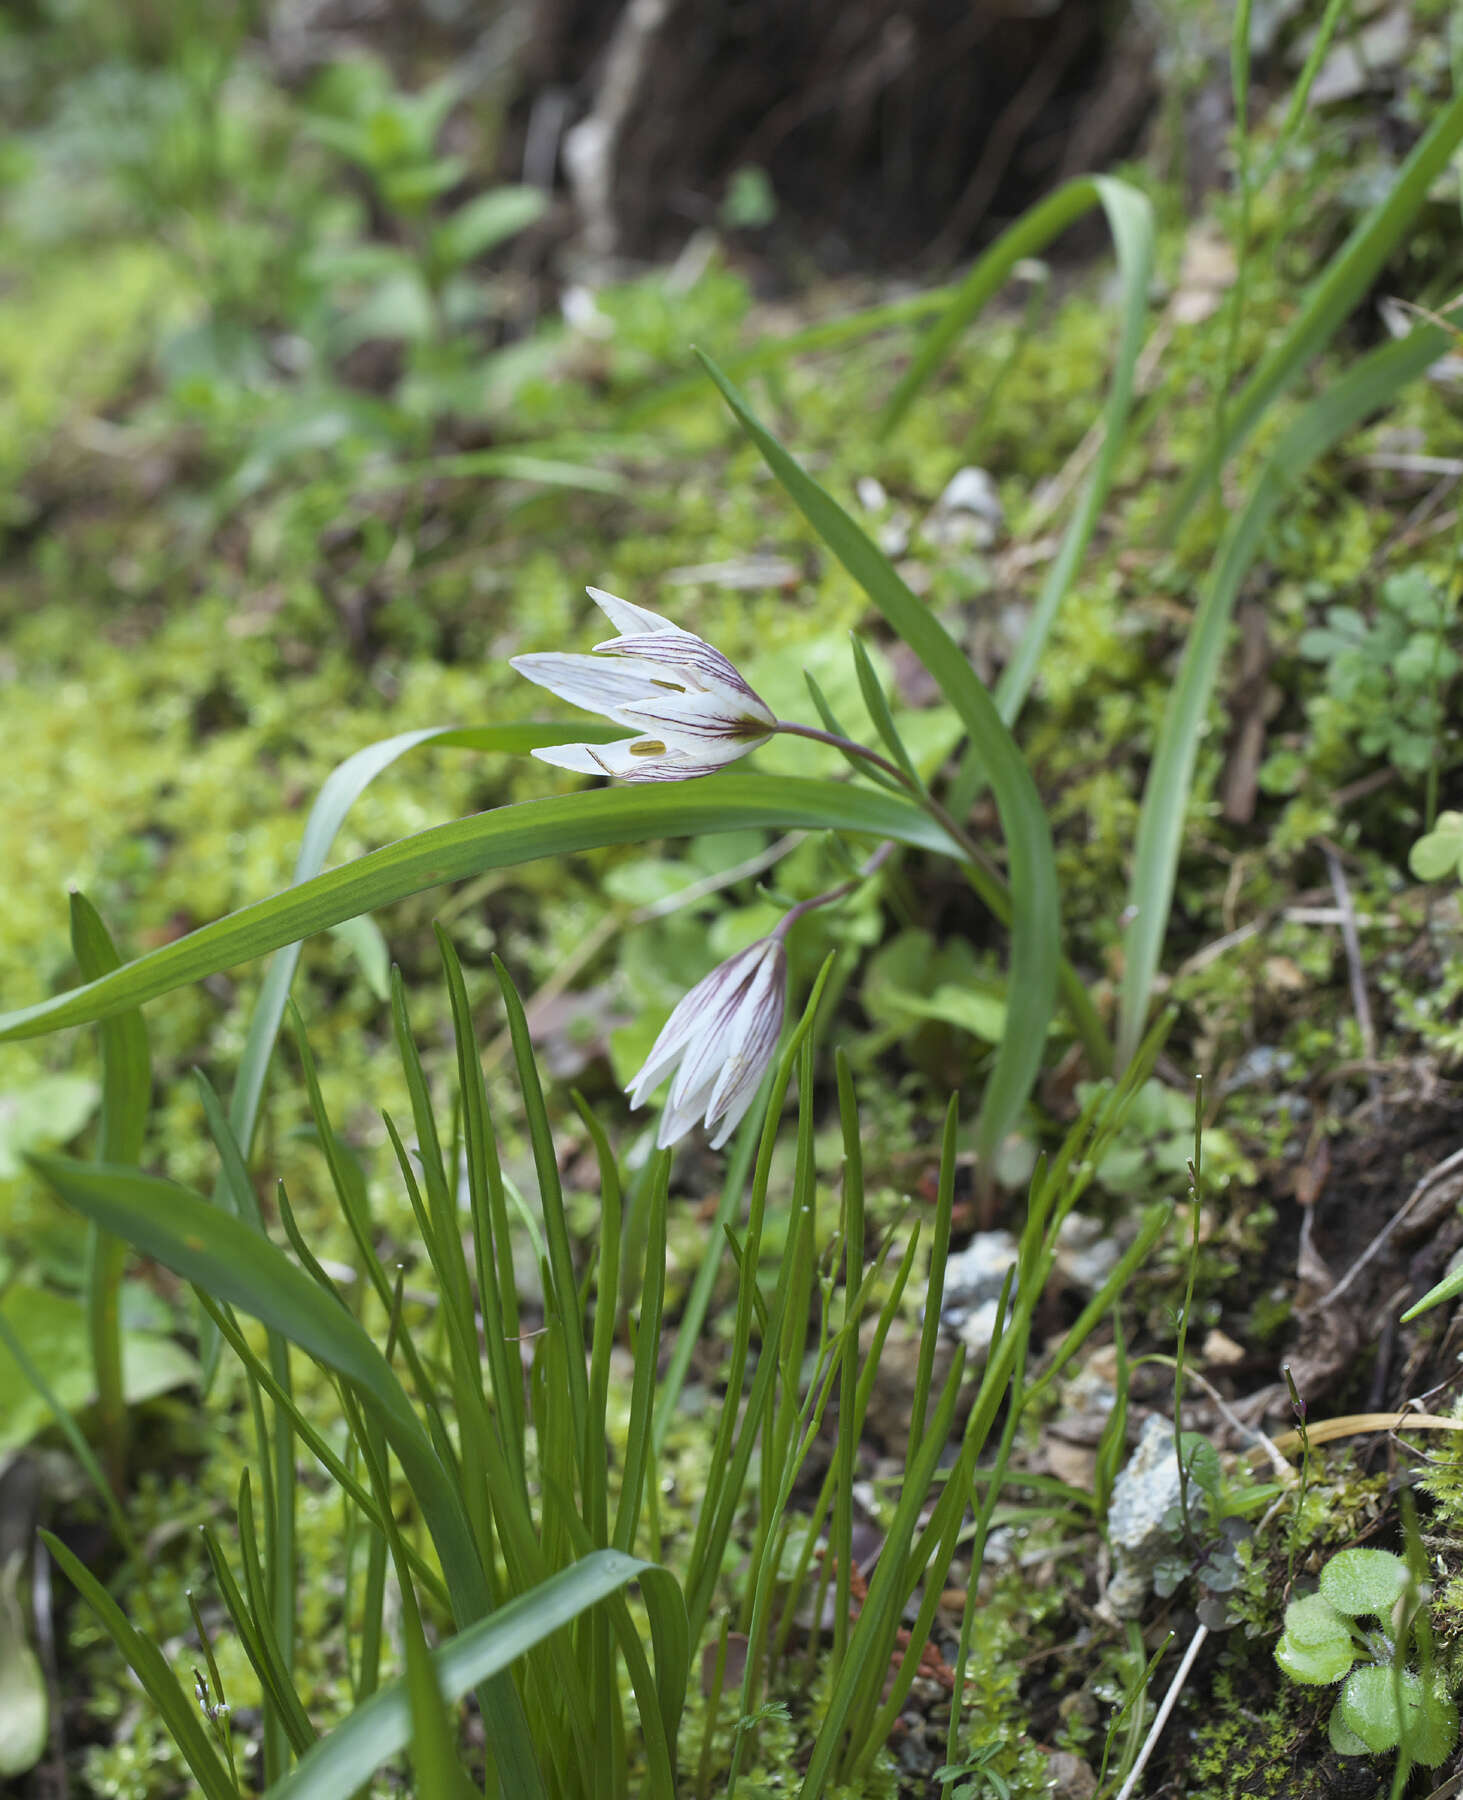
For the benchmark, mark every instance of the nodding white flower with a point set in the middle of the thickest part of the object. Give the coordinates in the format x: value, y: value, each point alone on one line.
x: 695, y: 709
x: 722, y: 1036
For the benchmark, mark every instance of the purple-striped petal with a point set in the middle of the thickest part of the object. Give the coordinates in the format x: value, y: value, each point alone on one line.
x: 631, y: 620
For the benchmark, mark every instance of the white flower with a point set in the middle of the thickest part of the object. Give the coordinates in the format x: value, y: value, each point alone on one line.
x: 722, y: 1035
x: 697, y: 711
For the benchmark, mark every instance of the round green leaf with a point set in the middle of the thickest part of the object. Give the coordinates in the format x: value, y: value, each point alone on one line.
x: 1364, y: 1581
x: 1432, y: 1730
x: 1344, y: 1741
x: 1368, y: 1704
x: 1312, y: 1621
x: 1440, y: 853
x: 1314, y: 1665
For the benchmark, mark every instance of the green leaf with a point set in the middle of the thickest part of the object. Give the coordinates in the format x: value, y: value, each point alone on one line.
x: 1433, y: 1730
x: 1440, y: 853
x: 1036, y: 918
x: 1312, y: 1622
x: 1342, y: 285
x: 1427, y: 1723
x: 1343, y: 1740
x: 55, y: 1333
x: 47, y: 1113
x: 1359, y: 1581
x: 233, y: 1262
x: 1372, y: 383
x: 1314, y: 1665
x: 484, y: 223
x: 362, y: 936
x: 1368, y: 1704
x: 380, y: 1729
x: 561, y: 826
x: 24, y: 1709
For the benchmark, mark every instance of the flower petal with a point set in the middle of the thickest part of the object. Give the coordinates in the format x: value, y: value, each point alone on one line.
x: 630, y: 620
x: 735, y: 1112
x: 590, y: 682
x: 680, y: 1115
x: 702, y: 723
x: 729, y: 1017
x: 700, y: 665
x: 737, y: 1085
x: 627, y: 759
x: 666, y: 1051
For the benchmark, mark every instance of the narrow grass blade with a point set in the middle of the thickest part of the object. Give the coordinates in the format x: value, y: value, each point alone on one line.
x: 126, y: 1094
x: 1341, y: 287
x: 845, y: 1449
x: 492, y: 1244
x: 640, y: 1444
x: 284, y: 1716
x: 179, y: 1711
x: 1130, y: 219
x: 1036, y: 920
x: 878, y: 1619
x: 771, y: 353
x: 1126, y: 210
x: 560, y: 826
x: 877, y: 702
x: 1371, y: 384
x: 698, y: 1302
x: 381, y: 1728
x: 565, y: 1290
x: 342, y: 788
x: 234, y: 1263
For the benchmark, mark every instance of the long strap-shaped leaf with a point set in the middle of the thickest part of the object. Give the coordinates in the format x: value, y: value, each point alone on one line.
x: 1130, y: 220
x: 346, y: 1759
x: 1371, y: 384
x: 343, y: 787
x: 1036, y: 919
x: 561, y: 826
x: 233, y: 1262
x: 1345, y: 280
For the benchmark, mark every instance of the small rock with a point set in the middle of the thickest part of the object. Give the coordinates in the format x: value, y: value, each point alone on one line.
x: 968, y: 515
x: 976, y: 1329
x: 972, y: 490
x: 1072, y: 1463
x: 1221, y: 1351
x: 894, y: 533
x: 976, y: 1275
x: 1069, y: 1777
x: 1087, y: 1252
x: 1143, y: 1495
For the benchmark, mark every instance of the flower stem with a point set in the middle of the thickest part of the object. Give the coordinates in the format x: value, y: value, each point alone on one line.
x: 985, y: 878
x: 875, y: 862
x: 917, y: 790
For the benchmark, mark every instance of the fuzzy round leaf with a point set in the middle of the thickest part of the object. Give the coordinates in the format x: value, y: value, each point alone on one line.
x: 1440, y: 853
x: 1313, y: 1622
x: 1432, y: 1730
x: 1364, y: 1581
x: 1344, y: 1740
x: 1368, y: 1704
x: 1314, y: 1665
